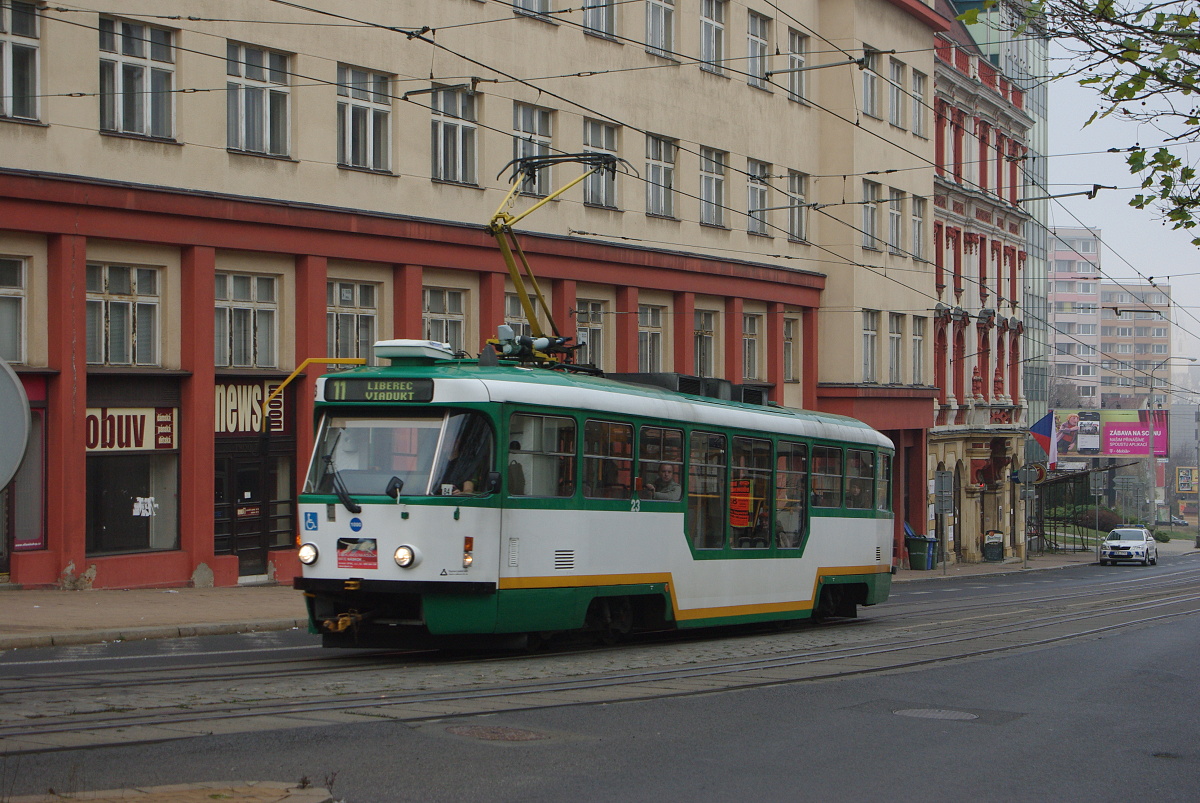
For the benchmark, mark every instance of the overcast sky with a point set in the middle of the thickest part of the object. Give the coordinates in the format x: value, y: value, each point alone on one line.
x: 1136, y: 245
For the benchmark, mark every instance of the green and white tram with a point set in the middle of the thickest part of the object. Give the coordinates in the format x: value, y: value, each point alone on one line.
x: 449, y: 500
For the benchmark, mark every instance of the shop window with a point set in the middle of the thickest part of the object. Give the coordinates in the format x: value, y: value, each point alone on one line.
x: 131, y: 503
x: 607, y: 460
x: 350, y: 320
x: 246, y: 320
x: 122, y: 315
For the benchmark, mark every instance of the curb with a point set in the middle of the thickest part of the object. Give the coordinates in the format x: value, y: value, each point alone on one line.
x: 934, y: 574
x: 16, y: 642
x: 256, y: 791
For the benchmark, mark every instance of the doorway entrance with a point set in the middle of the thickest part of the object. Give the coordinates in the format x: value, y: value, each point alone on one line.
x: 253, y: 513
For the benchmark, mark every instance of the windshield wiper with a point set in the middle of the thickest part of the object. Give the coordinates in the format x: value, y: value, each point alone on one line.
x: 339, y: 487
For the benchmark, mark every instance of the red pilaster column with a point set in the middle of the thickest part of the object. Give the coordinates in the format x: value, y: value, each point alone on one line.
x: 683, y: 325
x: 563, y: 306
x: 66, y: 457
x: 809, y: 373
x: 311, y: 275
x: 734, y: 370
x: 491, y: 305
x: 407, y: 302
x: 197, y: 423
x: 627, y: 329
x: 775, y: 365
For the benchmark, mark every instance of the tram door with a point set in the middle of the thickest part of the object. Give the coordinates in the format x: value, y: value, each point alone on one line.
x: 242, y: 521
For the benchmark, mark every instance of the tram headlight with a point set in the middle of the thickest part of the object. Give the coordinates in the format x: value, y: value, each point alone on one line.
x: 406, y: 556
x: 307, y: 554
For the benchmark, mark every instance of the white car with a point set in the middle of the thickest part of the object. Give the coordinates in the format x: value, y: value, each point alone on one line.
x: 1129, y: 543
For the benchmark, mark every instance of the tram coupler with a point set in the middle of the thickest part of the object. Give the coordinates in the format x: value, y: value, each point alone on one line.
x: 344, y: 621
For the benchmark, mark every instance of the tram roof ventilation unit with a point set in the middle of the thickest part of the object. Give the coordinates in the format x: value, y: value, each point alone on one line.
x: 413, y: 351
x: 708, y: 386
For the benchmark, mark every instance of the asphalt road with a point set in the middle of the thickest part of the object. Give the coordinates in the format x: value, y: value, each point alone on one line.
x: 1105, y: 718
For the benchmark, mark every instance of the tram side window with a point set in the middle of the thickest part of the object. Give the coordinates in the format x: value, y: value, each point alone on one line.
x: 860, y: 479
x: 791, y: 480
x: 607, y: 460
x: 541, y: 455
x: 883, y: 483
x: 749, y: 496
x: 827, y: 476
x: 706, y: 490
x: 660, y: 463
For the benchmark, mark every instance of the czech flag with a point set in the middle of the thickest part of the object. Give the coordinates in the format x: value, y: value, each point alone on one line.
x: 1046, y: 434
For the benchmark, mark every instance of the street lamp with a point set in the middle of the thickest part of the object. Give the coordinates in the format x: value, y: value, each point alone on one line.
x: 1153, y: 453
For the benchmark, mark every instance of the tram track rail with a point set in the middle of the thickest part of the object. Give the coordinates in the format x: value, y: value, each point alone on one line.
x: 966, y: 639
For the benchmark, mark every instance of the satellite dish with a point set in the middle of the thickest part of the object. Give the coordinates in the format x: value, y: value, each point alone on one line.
x: 14, y: 412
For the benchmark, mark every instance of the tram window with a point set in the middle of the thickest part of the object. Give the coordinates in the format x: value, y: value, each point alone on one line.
x: 541, y: 456
x: 749, y: 498
x: 860, y: 479
x: 465, y: 457
x: 791, y: 479
x: 660, y: 463
x: 607, y: 460
x: 883, y: 482
x: 706, y: 490
x: 366, y: 453
x: 827, y: 476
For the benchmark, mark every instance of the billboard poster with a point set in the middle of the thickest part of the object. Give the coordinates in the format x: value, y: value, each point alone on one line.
x: 1110, y: 433
x: 1186, y: 479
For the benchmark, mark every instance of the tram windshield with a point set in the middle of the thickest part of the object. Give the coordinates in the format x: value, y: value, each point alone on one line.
x: 446, y: 455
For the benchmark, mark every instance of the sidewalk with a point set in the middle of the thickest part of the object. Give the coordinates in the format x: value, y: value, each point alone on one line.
x: 1049, y: 560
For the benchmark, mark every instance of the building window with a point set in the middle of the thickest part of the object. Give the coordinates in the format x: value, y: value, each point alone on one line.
x: 797, y: 55
x: 256, y: 100
x: 350, y: 319
x: 751, y: 327
x: 712, y: 186
x: 650, y: 338
x: 870, y: 215
x: 919, y: 91
x: 896, y: 93
x: 453, y: 135
x: 599, y: 17
x: 12, y: 309
x: 122, y: 315
x: 443, y: 317
x: 600, y: 188
x: 363, y: 118
x: 758, y: 34
x: 589, y: 332
x: 712, y: 36
x: 1086, y: 391
x: 870, y: 342
x: 895, y: 220
x: 532, y: 136
x: 704, y: 339
x: 137, y: 74
x: 18, y: 60
x: 870, y: 82
x: 246, y: 308
x: 797, y: 206
x: 895, y: 348
x: 917, y: 246
x: 758, y: 197
x: 660, y: 176
x: 515, y: 317
x: 531, y: 6
x: 660, y: 27
x: 791, y: 350
x: 918, y: 351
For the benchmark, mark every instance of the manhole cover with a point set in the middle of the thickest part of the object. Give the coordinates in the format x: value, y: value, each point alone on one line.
x: 935, y: 713
x: 493, y: 733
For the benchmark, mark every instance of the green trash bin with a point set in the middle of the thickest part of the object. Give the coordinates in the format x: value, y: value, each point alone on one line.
x: 922, y: 551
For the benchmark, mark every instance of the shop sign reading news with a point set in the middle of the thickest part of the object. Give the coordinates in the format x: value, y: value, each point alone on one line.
x: 240, y: 411
x: 130, y: 429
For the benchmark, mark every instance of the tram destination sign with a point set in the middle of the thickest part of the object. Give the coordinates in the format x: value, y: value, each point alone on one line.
x: 362, y: 389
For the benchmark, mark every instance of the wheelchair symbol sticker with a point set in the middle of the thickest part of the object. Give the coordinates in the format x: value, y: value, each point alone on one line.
x: 310, y: 521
